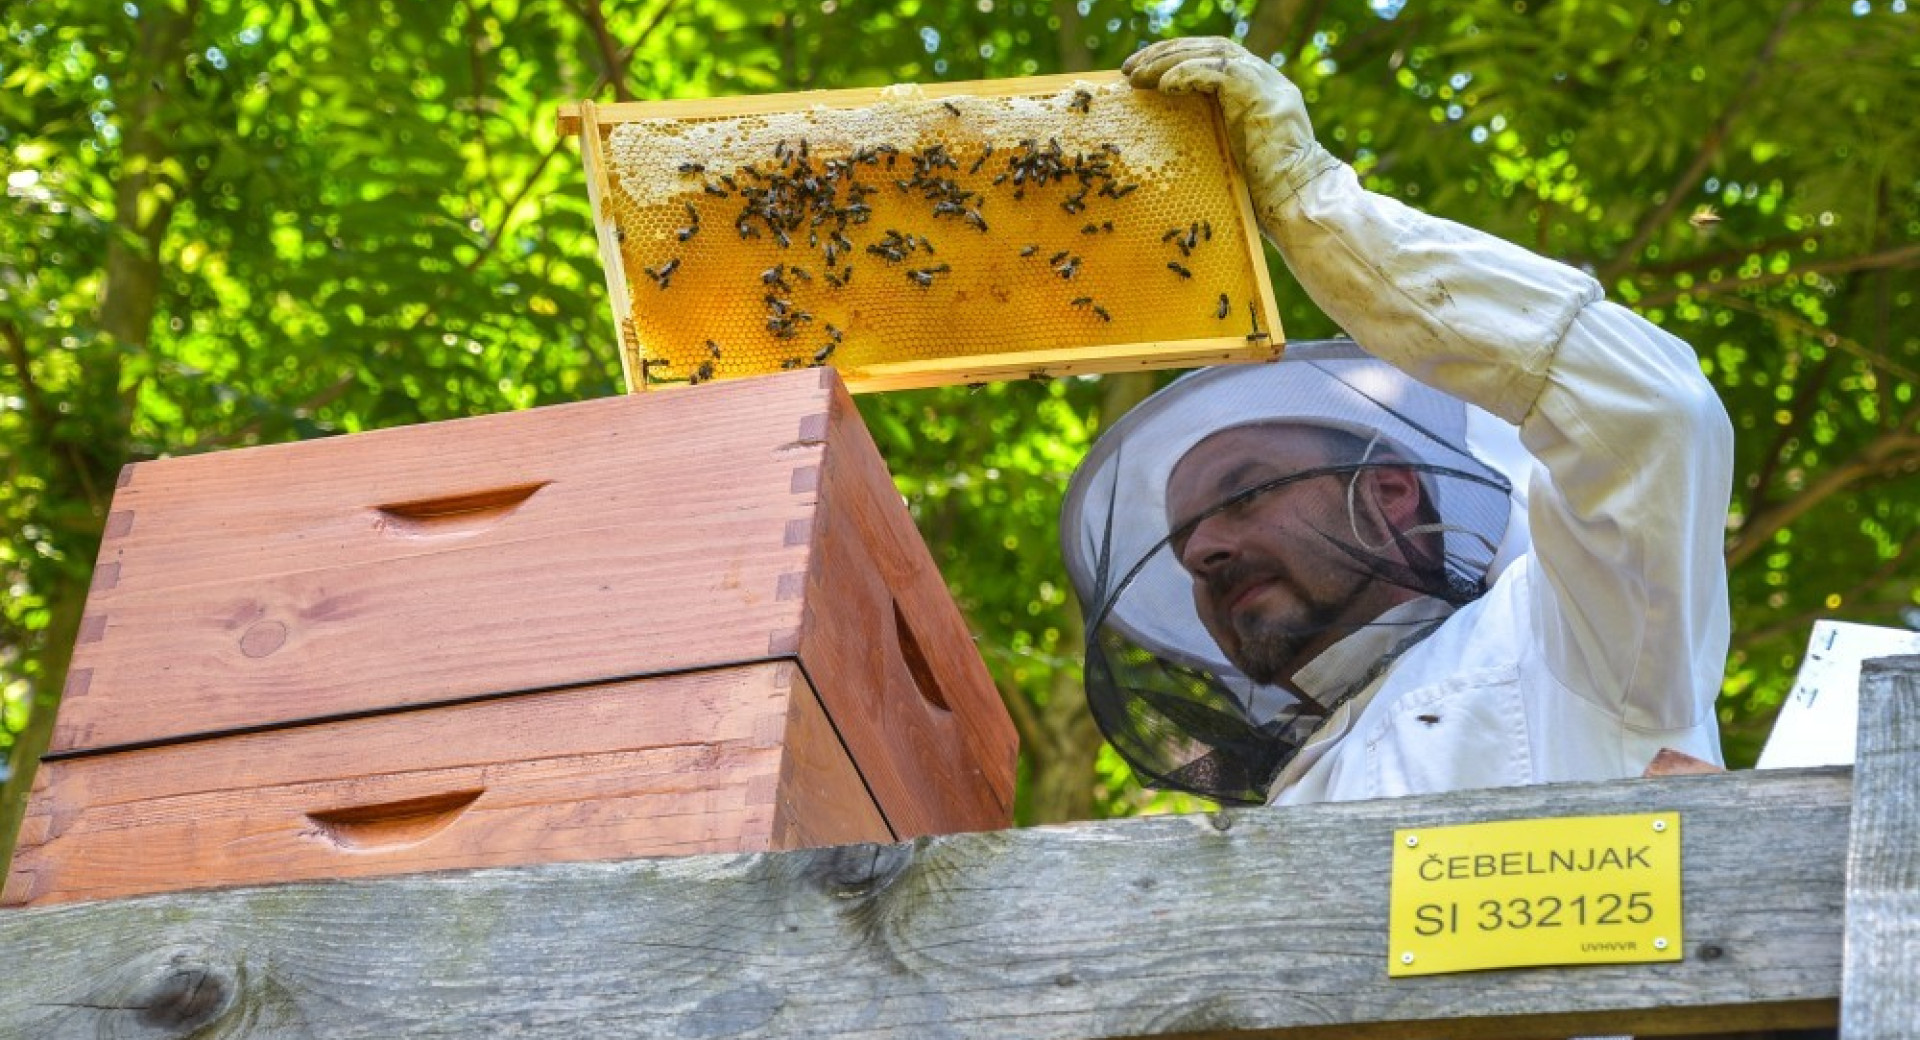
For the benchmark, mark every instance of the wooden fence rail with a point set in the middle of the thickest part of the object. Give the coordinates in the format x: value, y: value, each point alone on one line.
x: 1258, y: 922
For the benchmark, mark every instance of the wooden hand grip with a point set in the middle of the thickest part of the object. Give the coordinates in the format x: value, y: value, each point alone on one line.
x: 925, y: 679
x: 392, y: 825
x: 464, y: 513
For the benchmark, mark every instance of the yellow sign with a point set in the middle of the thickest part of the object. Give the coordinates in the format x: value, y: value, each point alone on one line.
x: 1570, y: 890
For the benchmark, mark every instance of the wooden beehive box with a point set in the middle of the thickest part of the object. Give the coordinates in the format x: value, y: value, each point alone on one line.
x: 926, y: 235
x: 652, y: 625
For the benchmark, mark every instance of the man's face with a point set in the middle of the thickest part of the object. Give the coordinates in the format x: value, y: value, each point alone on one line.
x: 1269, y: 581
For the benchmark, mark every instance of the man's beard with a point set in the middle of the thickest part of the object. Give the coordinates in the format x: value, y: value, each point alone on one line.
x: 1271, y: 646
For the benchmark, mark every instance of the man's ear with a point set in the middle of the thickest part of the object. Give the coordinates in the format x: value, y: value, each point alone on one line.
x: 1396, y: 491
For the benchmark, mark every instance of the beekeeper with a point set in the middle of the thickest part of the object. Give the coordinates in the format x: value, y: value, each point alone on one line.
x: 1479, y: 545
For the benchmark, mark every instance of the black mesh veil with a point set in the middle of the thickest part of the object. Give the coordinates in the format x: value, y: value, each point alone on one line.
x: 1230, y: 528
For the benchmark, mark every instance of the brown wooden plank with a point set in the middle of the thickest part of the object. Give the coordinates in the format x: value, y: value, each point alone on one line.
x: 1881, y: 991
x: 821, y: 799
x: 892, y: 658
x: 1255, y: 923
x: 666, y: 766
x: 269, y: 584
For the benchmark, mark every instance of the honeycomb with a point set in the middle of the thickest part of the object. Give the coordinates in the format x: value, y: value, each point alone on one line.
x: 914, y: 228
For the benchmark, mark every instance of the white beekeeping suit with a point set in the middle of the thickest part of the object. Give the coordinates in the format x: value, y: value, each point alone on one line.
x: 1570, y: 644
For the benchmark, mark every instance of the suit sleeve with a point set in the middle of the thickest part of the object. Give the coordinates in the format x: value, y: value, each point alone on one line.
x: 1627, y: 505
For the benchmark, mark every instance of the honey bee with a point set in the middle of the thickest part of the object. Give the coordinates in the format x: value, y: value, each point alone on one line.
x: 701, y: 374
x: 1029, y: 250
x: 713, y: 350
x: 1177, y: 269
x: 952, y: 109
x: 664, y: 273
x: 1081, y: 301
x: 693, y: 167
x: 1102, y: 312
x: 1221, y: 314
x: 820, y: 356
x: 1068, y: 269
x: 1082, y: 102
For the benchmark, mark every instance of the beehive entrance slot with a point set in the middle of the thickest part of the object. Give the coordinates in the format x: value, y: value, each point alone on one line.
x: 396, y: 824
x: 463, y: 513
x: 925, y: 679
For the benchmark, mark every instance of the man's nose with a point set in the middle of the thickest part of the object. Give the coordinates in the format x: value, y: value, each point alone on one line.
x: 1208, y: 546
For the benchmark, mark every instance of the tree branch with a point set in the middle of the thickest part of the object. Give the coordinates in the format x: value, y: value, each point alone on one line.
x: 1902, y: 257
x: 1730, y: 255
x: 42, y: 415
x: 1070, y: 41
x: 614, y: 63
x: 599, y: 84
x: 1882, y: 573
x: 1892, y: 449
x: 1803, y: 405
x: 1709, y: 150
x: 327, y: 395
x: 1826, y: 336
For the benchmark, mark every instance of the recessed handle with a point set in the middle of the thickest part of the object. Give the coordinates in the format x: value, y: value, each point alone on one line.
x: 925, y: 679
x: 393, y: 825
x: 467, y: 512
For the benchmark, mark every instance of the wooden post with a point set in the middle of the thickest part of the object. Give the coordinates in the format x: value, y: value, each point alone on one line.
x: 1881, y: 988
x: 1268, y: 923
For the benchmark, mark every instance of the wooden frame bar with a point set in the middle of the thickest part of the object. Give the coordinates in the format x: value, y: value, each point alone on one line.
x: 1258, y: 922
x: 592, y: 122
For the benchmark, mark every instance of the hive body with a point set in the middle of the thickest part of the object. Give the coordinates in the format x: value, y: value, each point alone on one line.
x: 912, y: 238
x: 695, y: 622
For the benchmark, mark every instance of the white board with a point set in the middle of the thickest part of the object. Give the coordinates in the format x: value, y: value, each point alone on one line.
x: 1819, y: 723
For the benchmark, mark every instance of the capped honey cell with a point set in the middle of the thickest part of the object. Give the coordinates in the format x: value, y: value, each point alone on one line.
x: 944, y: 234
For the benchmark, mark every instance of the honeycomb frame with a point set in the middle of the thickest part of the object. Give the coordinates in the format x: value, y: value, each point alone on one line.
x: 1132, y: 308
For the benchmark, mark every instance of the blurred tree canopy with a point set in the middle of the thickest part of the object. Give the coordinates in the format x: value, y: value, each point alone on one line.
x: 233, y: 223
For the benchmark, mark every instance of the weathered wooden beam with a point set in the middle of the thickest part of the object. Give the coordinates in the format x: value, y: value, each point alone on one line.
x: 1882, y: 970
x: 1259, y: 922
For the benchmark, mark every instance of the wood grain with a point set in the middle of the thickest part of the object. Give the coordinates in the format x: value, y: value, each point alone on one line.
x: 312, y: 579
x: 821, y: 798
x: 1260, y: 922
x: 668, y: 766
x: 1881, y: 996
x: 893, y: 659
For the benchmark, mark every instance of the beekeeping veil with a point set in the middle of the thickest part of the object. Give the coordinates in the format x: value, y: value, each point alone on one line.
x: 1165, y: 694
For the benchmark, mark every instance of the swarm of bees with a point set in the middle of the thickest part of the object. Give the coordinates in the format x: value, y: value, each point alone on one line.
x: 819, y: 204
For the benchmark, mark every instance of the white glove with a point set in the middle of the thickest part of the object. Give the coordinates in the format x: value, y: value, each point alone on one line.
x: 1267, y: 124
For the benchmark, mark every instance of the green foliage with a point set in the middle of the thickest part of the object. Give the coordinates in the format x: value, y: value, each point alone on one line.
x: 231, y: 223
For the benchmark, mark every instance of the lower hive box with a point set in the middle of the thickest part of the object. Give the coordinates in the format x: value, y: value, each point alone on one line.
x: 926, y: 235
x: 659, y: 625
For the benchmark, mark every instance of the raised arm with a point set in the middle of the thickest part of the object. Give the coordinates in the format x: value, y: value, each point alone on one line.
x: 1627, y: 510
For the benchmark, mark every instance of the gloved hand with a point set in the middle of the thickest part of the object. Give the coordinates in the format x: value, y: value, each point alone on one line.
x: 1267, y: 123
